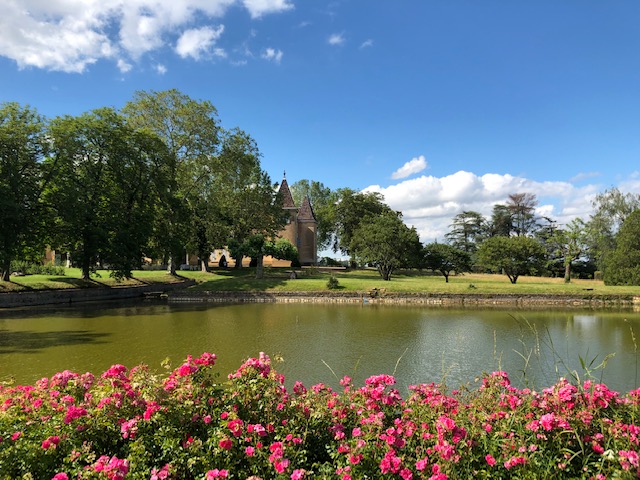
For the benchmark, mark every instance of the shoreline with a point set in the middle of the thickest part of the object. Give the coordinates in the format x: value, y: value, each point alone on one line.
x: 176, y: 293
x: 414, y: 299
x: 83, y: 295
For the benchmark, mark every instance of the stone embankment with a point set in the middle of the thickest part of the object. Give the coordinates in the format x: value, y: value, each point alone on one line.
x: 78, y: 295
x: 385, y: 298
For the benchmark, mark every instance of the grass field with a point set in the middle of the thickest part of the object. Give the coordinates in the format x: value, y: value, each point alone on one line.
x: 311, y: 279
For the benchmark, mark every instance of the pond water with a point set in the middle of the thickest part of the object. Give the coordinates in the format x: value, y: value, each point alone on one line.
x: 321, y: 343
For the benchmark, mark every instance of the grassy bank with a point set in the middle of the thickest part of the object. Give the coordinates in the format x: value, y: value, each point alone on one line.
x: 314, y: 280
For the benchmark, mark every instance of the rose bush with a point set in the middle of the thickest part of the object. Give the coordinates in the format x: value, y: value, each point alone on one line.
x: 190, y: 424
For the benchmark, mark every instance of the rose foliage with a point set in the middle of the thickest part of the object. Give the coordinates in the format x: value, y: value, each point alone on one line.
x: 187, y: 424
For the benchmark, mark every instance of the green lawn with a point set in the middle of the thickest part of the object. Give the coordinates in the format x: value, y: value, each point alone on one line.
x: 311, y: 279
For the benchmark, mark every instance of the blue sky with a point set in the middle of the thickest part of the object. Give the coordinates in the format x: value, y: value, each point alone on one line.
x: 442, y: 106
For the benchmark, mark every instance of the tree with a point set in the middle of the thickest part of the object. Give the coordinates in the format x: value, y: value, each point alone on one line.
x: 257, y: 246
x: 353, y: 209
x: 385, y: 241
x: 249, y: 202
x: 623, y: 263
x: 611, y: 208
x: 501, y: 222
x: 323, y: 200
x: 468, y: 229
x: 522, y: 208
x: 446, y: 259
x: 103, y: 197
x: 190, y: 131
x: 569, y: 244
x: 23, y: 146
x: 513, y: 256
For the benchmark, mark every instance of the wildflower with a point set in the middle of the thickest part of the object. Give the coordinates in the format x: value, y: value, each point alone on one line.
x: 628, y: 458
x: 513, y: 461
x: 16, y: 436
x: 490, y: 460
x: 60, y: 476
x: 281, y: 465
x: 215, y: 473
x: 406, y: 474
x: 297, y: 474
x: 161, y: 474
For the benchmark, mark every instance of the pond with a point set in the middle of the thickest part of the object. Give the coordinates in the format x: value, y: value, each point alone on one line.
x: 321, y: 343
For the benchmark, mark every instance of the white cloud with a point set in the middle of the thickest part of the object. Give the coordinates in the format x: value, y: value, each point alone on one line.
x: 429, y: 203
x: 272, y: 55
x: 415, y: 165
x: 367, y: 43
x: 257, y: 8
x: 71, y: 35
x: 161, y: 69
x: 198, y: 41
x: 584, y: 176
x: 336, y: 39
x: 124, y: 66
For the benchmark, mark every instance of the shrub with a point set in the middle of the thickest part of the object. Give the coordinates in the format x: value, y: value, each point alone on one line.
x: 189, y: 424
x: 31, y: 268
x: 333, y: 283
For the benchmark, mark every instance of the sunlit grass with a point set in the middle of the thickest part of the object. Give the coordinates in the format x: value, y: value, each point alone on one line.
x: 315, y: 280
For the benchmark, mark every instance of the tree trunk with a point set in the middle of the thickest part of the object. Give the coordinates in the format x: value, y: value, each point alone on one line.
x: 567, y: 272
x: 86, y: 270
x: 238, y: 262
x: 260, y: 267
x: 385, y: 272
x: 171, y: 268
x: 203, y: 266
x: 6, y: 271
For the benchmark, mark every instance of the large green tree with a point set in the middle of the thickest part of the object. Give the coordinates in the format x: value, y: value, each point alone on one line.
x: 385, y: 241
x: 445, y: 259
x: 468, y: 229
x: 249, y: 202
x: 353, y: 209
x: 103, y: 195
x: 501, y: 223
x: 257, y: 246
x: 190, y: 130
x: 522, y: 209
x: 513, y: 256
x: 623, y: 262
x: 569, y: 244
x: 23, y: 145
x: 611, y: 209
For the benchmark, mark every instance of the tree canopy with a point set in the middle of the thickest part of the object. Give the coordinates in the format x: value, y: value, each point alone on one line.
x: 23, y: 146
x: 386, y: 242
x: 513, y: 256
x: 623, y: 263
x: 445, y: 259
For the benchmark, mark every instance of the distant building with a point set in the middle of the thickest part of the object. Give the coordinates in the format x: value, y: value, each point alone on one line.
x: 301, y: 229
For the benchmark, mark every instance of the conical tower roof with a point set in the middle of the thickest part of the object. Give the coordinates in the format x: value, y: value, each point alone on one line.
x: 306, y: 211
x: 287, y: 198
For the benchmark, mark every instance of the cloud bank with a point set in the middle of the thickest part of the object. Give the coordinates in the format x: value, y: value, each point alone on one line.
x: 71, y: 35
x: 429, y: 203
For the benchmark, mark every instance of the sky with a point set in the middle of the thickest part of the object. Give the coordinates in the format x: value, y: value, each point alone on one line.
x: 441, y: 106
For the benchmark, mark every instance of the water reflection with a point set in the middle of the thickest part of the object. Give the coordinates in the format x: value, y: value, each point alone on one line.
x: 321, y: 343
